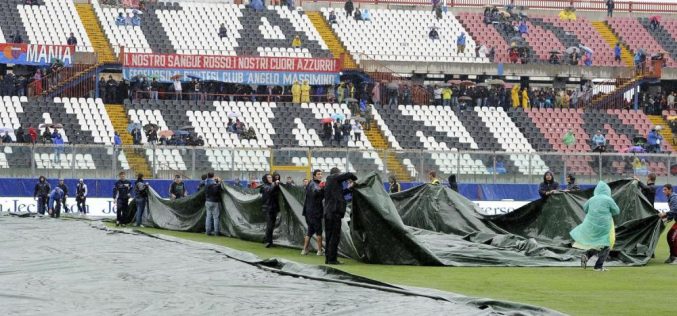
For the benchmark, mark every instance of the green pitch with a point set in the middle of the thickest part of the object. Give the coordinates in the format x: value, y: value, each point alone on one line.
x: 648, y: 290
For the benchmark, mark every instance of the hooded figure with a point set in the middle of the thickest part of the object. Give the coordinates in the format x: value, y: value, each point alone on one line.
x: 296, y: 92
x: 548, y: 185
x: 596, y: 234
x: 452, y: 183
x: 514, y: 95
x: 269, y: 192
x: 41, y: 194
x: 305, y: 92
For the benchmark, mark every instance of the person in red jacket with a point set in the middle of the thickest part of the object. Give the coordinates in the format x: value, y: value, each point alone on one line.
x: 33, y: 134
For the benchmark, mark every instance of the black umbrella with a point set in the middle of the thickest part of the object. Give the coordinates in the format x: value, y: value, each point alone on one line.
x: 186, y: 128
x: 150, y: 126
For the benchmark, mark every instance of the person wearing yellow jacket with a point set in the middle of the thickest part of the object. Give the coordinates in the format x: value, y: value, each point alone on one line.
x: 305, y: 92
x: 446, y: 96
x: 525, y: 99
x: 296, y: 42
x: 296, y: 92
x: 514, y: 94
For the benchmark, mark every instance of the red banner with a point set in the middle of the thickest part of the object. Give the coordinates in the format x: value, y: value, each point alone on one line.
x: 209, y: 62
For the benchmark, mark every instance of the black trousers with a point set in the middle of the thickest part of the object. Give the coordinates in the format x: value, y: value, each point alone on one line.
x: 332, y: 229
x: 42, y: 204
x: 65, y: 206
x: 56, y: 212
x: 121, y: 210
x: 601, y: 256
x: 271, y: 217
x: 82, y: 208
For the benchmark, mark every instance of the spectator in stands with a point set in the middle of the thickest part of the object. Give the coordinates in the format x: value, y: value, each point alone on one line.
x: 335, y: 209
x: 346, y: 128
x: 33, y: 134
x: 569, y: 139
x: 136, y: 136
x: 72, y: 41
x: 587, y: 59
x: 394, y: 185
x: 57, y: 140
x: 348, y: 6
x: 178, y: 189
x: 305, y: 92
x: 366, y: 16
x: 178, y: 89
x: 523, y: 28
x: 599, y: 142
x: 154, y: 87
x: 446, y: 96
x: 648, y: 189
x: 438, y: 11
x: 6, y: 139
x: 326, y: 132
x: 120, y: 20
x: 453, y: 185
x: 111, y: 88
x: 671, y: 215
x: 437, y: 95
x: 433, y: 35
x: 617, y: 52
x: 296, y: 92
x: 296, y: 43
x: 654, y: 140
x: 17, y: 38
x: 571, y: 184
x: 46, y: 136
x: 223, y: 32
x: 151, y: 135
x: 256, y: 5
x: 460, y: 43
x: 332, y: 17
x: 141, y: 189
x: 654, y: 22
x: 37, y: 78
x: 554, y: 59
x: 548, y: 186
x: 393, y: 90
x: 406, y: 95
x: 525, y: 99
x: 671, y: 100
x: 20, y: 135
x: 610, y: 5
x: 358, y: 15
x: 136, y: 20
x: 357, y: 131
x: 513, y: 55
x: 432, y: 178
x: 376, y: 94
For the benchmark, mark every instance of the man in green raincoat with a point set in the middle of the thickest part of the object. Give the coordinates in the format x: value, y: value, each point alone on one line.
x: 569, y: 138
x: 596, y: 234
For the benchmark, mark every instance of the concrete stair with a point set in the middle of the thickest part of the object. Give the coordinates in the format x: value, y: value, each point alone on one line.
x: 393, y: 164
x: 96, y: 35
x: 666, y: 132
x: 334, y: 44
x: 611, y: 39
x: 135, y: 157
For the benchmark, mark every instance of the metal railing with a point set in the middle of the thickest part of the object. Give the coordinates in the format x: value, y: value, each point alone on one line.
x: 105, y: 161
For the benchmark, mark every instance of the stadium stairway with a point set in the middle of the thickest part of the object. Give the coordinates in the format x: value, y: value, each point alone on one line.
x: 379, y: 142
x: 95, y: 33
x: 118, y: 117
x: 335, y: 46
x: 666, y: 132
x: 603, y: 29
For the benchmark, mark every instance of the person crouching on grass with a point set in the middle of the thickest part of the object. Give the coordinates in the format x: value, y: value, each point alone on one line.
x: 596, y: 234
x: 313, y: 211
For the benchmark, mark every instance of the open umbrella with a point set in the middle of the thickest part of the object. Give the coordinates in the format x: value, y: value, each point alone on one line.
x: 132, y: 126
x: 6, y: 129
x: 194, y: 77
x: 182, y: 133
x: 556, y: 52
x: 359, y: 119
x: 167, y: 133
x: 496, y: 82
x: 326, y: 120
x: 186, y: 128
x: 465, y: 98
x: 587, y: 49
x: 456, y: 82
x: 233, y: 114
x: 350, y: 100
x: 338, y: 116
x: 175, y: 77
x: 482, y: 84
x: 467, y: 83
x: 150, y: 126
x: 573, y: 49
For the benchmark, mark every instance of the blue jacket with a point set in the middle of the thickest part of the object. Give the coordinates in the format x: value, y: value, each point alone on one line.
x: 56, y: 195
x: 117, y: 140
x: 617, y: 51
x: 598, y: 140
x: 653, y: 137
x: 461, y: 39
x: 672, y: 203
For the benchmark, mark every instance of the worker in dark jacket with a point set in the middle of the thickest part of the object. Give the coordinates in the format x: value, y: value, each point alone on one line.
x: 648, y: 189
x: 334, y: 210
x: 141, y: 191
x: 178, y: 189
x: 62, y: 185
x: 452, y: 183
x: 394, y: 185
x: 41, y: 194
x: 269, y: 190
x: 121, y: 194
x: 313, y: 211
x: 213, y: 191
x: 548, y: 186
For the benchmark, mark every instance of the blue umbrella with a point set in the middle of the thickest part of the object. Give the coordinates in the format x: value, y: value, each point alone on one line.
x: 181, y: 133
x: 338, y: 116
x: 132, y: 126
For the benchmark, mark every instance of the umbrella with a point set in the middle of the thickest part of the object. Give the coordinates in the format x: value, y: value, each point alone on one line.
x: 150, y: 126
x: 338, y: 116
x: 467, y: 83
x: 233, y: 114
x: 496, y: 82
x: 555, y: 52
x: 6, y: 129
x: 573, y: 49
x: 456, y: 82
x: 175, y: 77
x: 465, y: 98
x: 656, y: 18
x: 194, y: 77
x: 326, y: 120
x: 482, y: 84
x: 132, y: 126
x: 350, y: 100
x: 165, y: 133
x: 359, y: 119
x: 393, y: 85
x: 182, y: 133
x: 587, y: 49
x: 186, y: 128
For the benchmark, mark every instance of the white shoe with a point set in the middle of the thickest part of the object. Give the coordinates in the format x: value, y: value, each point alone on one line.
x: 304, y: 252
x: 601, y: 269
x: 320, y: 253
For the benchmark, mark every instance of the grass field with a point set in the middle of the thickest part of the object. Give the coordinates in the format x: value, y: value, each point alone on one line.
x: 645, y: 290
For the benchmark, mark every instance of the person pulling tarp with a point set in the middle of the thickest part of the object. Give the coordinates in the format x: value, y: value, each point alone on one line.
x: 313, y: 211
x: 334, y: 210
x: 597, y: 234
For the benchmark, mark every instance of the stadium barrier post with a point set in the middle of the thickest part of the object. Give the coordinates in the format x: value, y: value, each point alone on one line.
x: 494, y: 162
x: 192, y: 173
x: 600, y: 166
x: 154, y: 171
x: 531, y: 174
x: 73, y: 150
x: 32, y: 161
x: 115, y: 160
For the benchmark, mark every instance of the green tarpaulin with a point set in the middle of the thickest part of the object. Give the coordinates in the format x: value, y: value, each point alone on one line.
x: 430, y: 225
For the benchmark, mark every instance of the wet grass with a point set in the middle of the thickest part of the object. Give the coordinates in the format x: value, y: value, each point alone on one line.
x: 645, y: 290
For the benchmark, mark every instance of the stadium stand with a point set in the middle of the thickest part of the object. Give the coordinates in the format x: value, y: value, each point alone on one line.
x: 52, y: 23
x: 127, y: 36
x: 631, y: 32
x: 402, y: 35
x: 661, y: 35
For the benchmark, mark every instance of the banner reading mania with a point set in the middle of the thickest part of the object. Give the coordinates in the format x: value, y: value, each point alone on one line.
x: 35, y: 54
